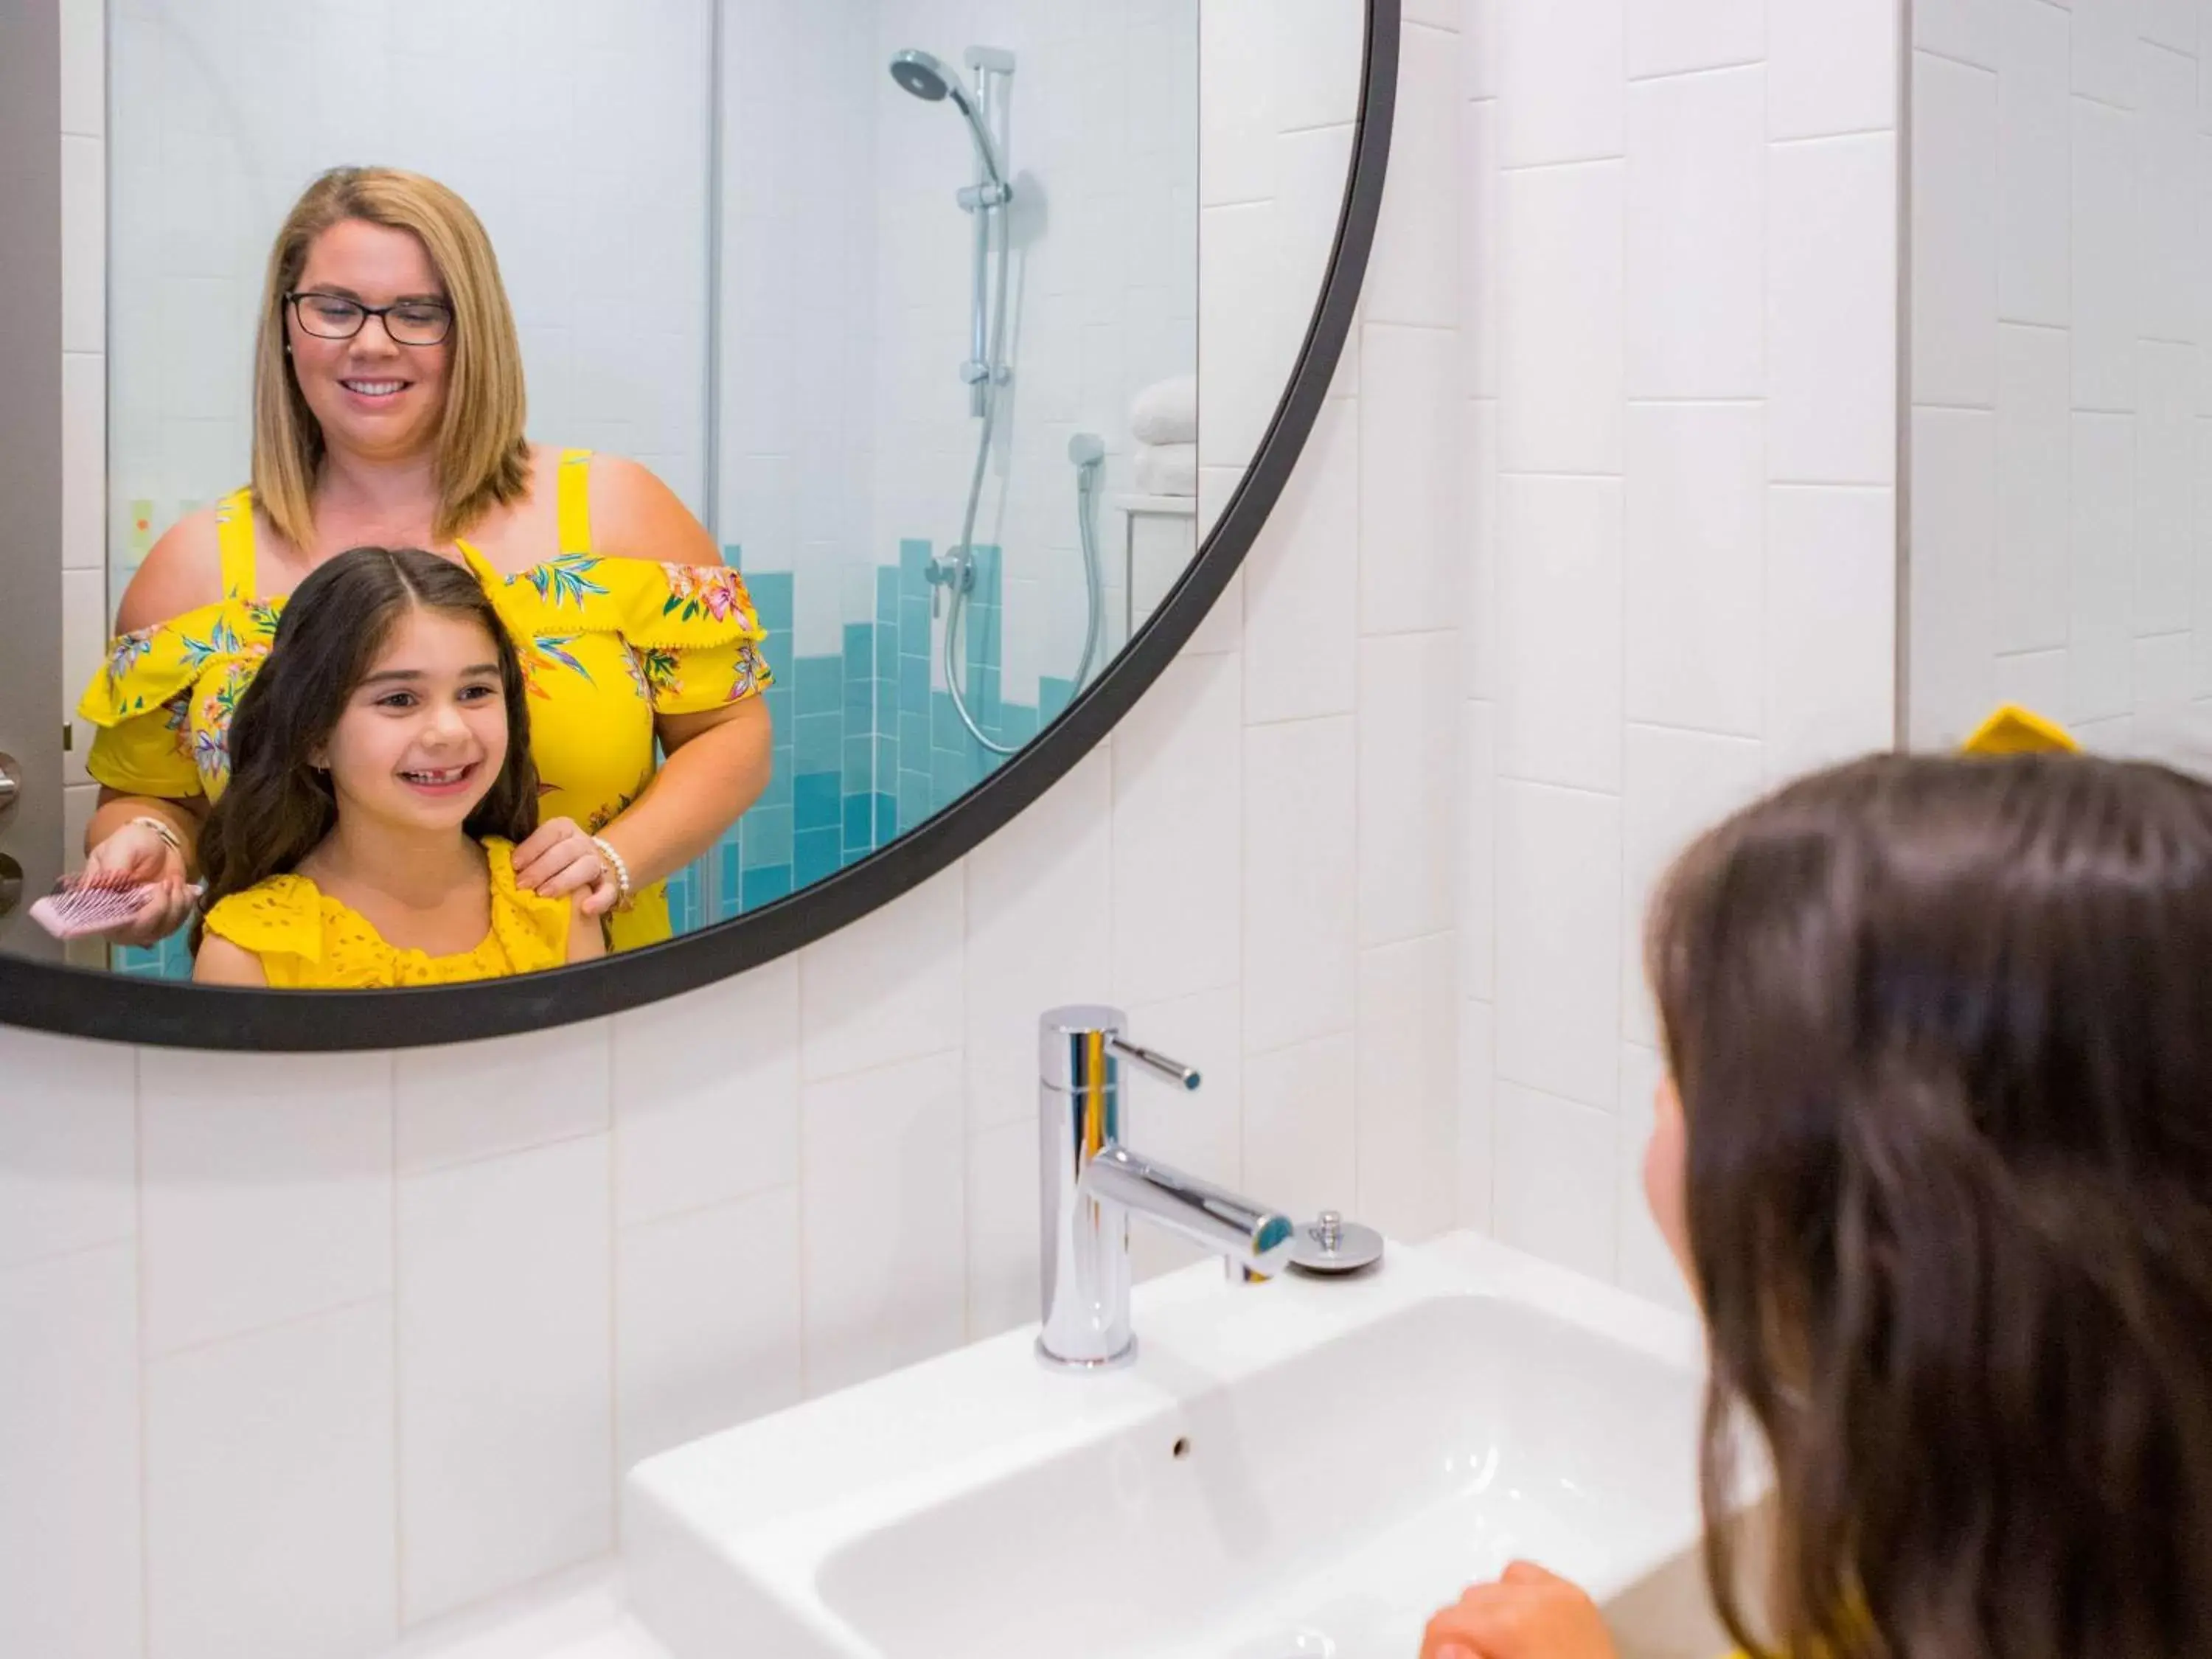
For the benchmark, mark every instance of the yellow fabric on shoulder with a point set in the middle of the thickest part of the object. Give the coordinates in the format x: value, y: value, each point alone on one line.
x: 2016, y: 730
x: 307, y: 940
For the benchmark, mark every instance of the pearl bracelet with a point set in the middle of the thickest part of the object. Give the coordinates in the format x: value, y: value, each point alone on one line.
x: 624, y: 897
x: 161, y: 827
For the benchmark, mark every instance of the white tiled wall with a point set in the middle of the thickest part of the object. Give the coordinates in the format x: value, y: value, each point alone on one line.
x: 2061, y: 411
x: 300, y: 1351
x: 84, y: 396
x: 1680, y: 294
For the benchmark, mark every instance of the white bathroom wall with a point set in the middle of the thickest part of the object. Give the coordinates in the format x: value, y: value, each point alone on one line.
x: 297, y: 1352
x: 577, y: 131
x: 2060, y: 556
x: 1680, y: 430
x: 797, y: 280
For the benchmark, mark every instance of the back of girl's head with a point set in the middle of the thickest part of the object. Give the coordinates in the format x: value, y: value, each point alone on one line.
x: 1943, y: 1034
x: 278, y: 806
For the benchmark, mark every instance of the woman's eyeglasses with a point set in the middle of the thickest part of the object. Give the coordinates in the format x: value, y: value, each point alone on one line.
x: 409, y: 322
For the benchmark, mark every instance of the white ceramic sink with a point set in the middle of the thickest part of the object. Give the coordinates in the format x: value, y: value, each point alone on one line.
x: 1296, y: 1469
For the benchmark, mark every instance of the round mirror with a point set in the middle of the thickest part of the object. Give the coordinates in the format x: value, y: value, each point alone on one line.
x: 522, y: 556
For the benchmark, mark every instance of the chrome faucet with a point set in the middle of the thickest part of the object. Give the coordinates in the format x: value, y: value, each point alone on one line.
x: 1092, y: 1183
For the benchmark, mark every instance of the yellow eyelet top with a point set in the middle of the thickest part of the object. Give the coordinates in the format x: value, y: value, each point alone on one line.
x: 607, y: 644
x: 307, y: 940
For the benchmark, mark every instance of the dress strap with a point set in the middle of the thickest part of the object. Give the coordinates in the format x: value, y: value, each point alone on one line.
x: 233, y: 539
x: 572, y: 500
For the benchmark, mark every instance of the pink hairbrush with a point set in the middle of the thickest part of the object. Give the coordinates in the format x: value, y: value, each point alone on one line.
x: 76, y: 907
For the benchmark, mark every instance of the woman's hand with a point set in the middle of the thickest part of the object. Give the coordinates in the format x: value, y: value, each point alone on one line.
x: 559, y: 859
x: 1528, y: 1613
x: 134, y: 854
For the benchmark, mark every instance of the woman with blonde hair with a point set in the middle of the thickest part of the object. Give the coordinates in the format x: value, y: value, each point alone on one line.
x: 388, y: 410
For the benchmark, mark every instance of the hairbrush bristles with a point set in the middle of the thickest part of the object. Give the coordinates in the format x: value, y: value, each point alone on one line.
x: 75, y: 909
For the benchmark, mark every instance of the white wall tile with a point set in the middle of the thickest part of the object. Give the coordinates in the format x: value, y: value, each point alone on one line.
x: 266, y: 1190
x: 69, y: 1519
x: 2204, y: 614
x: 1246, y: 343
x: 1679, y: 785
x: 2107, y: 258
x: 1409, y: 1088
x: 1300, y: 880
x: 1411, y: 435
x: 506, y: 1408
x: 1236, y: 42
x: 1312, y: 167
x: 2162, y: 668
x: 1645, y: 1265
x: 1003, y: 1258
x: 1039, y: 934
x: 1477, y: 1113
x: 2034, y: 679
x: 1561, y: 247
x: 1409, y: 745
x: 1177, y: 791
x: 1953, y: 590
x: 1559, y: 940
x: 689, y: 1134
x: 1479, y: 182
x: 1560, y: 648
x: 1566, y: 66
x: 2171, y: 23
x: 1479, y: 638
x: 270, y: 1526
x: 1413, y: 274
x: 1696, y: 561
x: 1967, y: 30
x: 1317, y: 52
x: 873, y: 992
x: 84, y: 464
x: 2108, y: 51
x: 2035, y: 126
x: 84, y: 244
x: 1832, y: 311
x: 1678, y: 36
x: 1478, y: 897
x: 1697, y: 236
x: 707, y: 1330
x: 1832, y: 625
x: 1832, y: 67
x: 2166, y: 548
x: 1301, y: 1128
x: 2169, y: 178
x: 1295, y: 617
x: 885, y: 1158
x: 85, y: 63
x: 1954, y: 234
x: 2101, y: 568
x: 84, y: 643
x: 1478, y: 33
x: 469, y: 1100
x: 2034, y: 467
x: 69, y: 1146
x: 1555, y: 1188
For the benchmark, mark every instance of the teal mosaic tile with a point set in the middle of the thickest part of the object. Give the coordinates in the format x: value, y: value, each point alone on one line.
x: 860, y: 707
x: 859, y: 822
x: 781, y: 772
x: 820, y: 742
x: 914, y: 797
x: 766, y: 886
x: 1052, y: 697
x: 772, y: 599
x: 818, y: 795
x: 820, y: 681
x: 913, y: 685
x: 915, y: 625
x: 820, y: 853
x: 767, y: 833
x: 913, y: 737
x: 886, y: 770
x: 887, y: 825
x: 860, y: 650
x: 949, y: 776
x: 860, y: 763
x: 1017, y: 722
x: 945, y: 730
x: 887, y: 595
x: 913, y: 558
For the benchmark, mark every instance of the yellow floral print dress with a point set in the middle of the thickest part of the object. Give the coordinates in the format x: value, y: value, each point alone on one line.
x: 606, y: 645
x: 307, y: 940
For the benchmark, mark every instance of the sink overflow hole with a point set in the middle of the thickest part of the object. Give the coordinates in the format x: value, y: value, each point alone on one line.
x: 1182, y: 1446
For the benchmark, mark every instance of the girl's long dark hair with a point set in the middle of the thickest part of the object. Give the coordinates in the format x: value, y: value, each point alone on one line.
x: 278, y: 808
x: 1942, y: 1033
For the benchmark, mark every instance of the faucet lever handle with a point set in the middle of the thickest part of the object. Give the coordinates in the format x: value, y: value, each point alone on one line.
x: 1171, y: 1071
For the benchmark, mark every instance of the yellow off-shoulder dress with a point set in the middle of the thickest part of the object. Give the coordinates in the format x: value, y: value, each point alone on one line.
x: 606, y: 645
x: 307, y: 940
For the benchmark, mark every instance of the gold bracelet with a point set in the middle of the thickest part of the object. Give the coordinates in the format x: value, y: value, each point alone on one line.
x: 161, y: 827
x: 624, y: 897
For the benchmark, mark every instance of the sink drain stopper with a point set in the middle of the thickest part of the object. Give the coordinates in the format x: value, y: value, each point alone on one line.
x: 1330, y: 1245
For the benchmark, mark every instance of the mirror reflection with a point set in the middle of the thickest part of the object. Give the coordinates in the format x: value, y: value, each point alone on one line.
x: 614, y: 510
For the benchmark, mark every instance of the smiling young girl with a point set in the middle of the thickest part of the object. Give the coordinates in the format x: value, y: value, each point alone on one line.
x: 381, y: 778
x: 1936, y: 1152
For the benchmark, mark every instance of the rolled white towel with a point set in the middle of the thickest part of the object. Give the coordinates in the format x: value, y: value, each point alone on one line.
x: 1166, y: 412
x: 1166, y: 468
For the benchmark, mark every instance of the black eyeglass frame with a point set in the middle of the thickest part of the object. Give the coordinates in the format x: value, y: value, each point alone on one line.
x: 381, y: 313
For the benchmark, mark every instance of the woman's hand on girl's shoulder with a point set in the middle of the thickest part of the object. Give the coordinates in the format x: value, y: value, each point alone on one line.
x: 181, y: 572
x: 1528, y: 1613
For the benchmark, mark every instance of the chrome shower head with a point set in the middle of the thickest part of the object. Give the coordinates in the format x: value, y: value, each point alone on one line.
x: 933, y: 81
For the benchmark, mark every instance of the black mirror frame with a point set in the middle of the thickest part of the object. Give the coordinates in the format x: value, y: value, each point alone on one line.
x: 82, y: 1002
